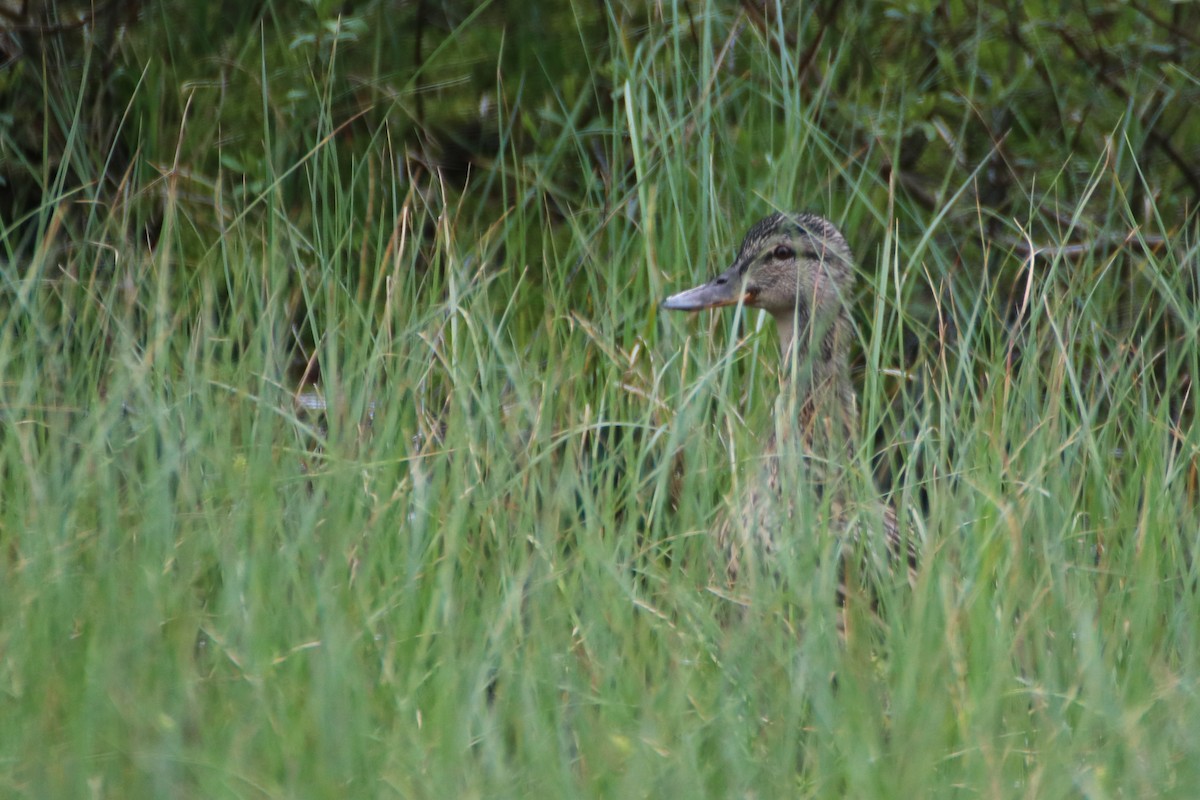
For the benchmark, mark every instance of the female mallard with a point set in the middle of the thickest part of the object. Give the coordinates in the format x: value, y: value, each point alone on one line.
x: 798, y: 268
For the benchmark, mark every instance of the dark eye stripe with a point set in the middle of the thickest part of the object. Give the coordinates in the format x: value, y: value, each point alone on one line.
x: 808, y: 253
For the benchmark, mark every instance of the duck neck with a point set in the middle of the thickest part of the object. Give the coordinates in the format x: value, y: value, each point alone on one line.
x: 816, y: 397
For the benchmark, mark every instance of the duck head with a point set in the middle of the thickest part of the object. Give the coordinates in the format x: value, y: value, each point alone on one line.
x: 798, y: 268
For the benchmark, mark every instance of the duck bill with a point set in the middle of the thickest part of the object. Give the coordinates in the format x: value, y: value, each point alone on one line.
x: 726, y: 289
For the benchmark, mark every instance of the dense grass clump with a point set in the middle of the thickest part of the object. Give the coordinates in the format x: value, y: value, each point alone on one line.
x: 327, y: 471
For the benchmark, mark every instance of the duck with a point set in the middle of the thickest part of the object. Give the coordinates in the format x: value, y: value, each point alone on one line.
x: 799, y: 269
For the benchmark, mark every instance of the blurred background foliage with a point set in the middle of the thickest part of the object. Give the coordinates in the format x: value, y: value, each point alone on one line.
x: 1010, y: 99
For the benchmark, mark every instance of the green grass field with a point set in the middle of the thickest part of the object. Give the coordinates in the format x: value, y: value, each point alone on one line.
x: 485, y: 571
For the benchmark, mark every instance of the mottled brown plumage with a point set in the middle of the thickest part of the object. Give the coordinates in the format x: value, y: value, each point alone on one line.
x: 798, y: 268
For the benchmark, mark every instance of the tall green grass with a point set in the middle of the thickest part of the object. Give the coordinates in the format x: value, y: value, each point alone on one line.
x: 485, y: 570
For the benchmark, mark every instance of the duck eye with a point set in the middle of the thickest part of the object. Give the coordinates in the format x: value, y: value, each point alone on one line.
x: 783, y: 253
